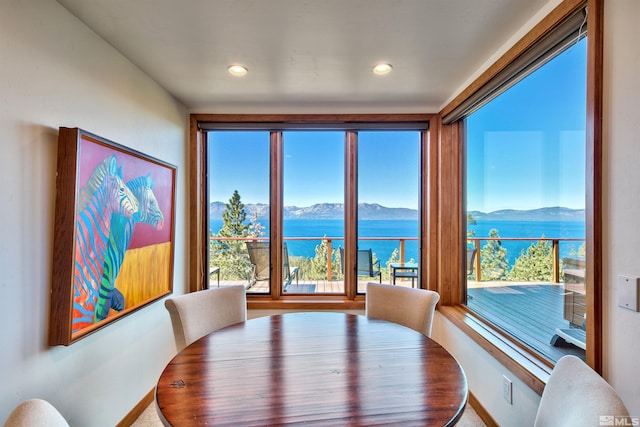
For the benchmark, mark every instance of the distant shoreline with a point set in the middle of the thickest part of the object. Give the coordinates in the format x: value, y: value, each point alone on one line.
x: 374, y: 211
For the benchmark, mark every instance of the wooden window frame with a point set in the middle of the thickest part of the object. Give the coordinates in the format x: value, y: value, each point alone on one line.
x: 528, y: 365
x: 198, y: 229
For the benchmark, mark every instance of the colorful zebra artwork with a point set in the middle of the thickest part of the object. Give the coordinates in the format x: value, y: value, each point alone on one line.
x: 104, y: 195
x: 119, y: 238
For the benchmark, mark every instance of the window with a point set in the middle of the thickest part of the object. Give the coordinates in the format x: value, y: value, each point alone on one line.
x: 525, y: 181
x: 327, y: 192
x: 313, y: 219
x: 238, y: 165
x: 388, y: 191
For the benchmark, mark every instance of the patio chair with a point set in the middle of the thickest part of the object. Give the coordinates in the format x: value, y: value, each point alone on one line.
x: 413, y: 308
x: 261, y: 262
x: 365, y: 267
x: 471, y: 257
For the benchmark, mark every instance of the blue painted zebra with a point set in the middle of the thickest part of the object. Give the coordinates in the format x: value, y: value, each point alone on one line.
x: 119, y: 239
x: 105, y: 194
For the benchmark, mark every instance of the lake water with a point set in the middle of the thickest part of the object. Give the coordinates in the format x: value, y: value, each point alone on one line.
x: 409, y: 229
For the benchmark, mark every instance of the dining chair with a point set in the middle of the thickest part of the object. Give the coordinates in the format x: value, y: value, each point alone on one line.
x: 35, y: 413
x: 575, y: 395
x: 411, y: 307
x: 196, y: 314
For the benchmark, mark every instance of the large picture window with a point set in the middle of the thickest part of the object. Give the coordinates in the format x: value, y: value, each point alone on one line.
x: 525, y: 181
x: 342, y: 197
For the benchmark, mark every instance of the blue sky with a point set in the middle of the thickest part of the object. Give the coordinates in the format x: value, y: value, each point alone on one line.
x: 525, y: 150
x: 314, y: 167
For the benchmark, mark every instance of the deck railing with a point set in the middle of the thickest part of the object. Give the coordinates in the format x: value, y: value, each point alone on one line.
x: 474, y: 241
x: 330, y: 241
x: 555, y: 251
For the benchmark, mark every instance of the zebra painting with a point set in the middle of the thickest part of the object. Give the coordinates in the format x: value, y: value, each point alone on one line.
x: 104, y: 194
x: 119, y: 238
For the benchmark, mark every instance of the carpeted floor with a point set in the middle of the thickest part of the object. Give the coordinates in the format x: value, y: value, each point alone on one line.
x: 149, y: 418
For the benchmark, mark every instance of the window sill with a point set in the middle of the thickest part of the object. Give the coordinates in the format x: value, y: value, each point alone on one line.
x: 305, y: 303
x: 528, y: 366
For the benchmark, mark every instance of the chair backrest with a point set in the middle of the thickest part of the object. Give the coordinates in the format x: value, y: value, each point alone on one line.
x: 286, y: 268
x: 410, y: 307
x: 364, y: 261
x: 471, y: 257
x: 196, y: 314
x: 576, y: 395
x: 35, y: 413
x: 259, y: 257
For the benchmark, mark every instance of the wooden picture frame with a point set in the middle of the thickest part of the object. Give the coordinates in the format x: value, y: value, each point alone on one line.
x: 114, y: 227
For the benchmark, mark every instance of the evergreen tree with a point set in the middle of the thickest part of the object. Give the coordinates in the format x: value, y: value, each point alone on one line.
x: 231, y: 255
x: 494, y: 265
x: 233, y: 218
x: 319, y: 261
x: 581, y: 252
x: 395, y: 257
x: 470, y: 233
x: 535, y: 264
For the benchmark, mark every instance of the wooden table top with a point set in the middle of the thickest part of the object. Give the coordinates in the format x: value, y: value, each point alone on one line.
x: 316, y: 368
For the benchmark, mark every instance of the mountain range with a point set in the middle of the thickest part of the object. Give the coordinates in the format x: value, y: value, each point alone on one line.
x: 379, y: 212
x: 320, y: 211
x: 555, y: 213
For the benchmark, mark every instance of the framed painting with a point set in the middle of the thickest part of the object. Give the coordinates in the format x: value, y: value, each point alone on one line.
x: 113, y: 243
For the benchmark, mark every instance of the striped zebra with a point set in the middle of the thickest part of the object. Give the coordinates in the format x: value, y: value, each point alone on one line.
x: 104, y: 195
x: 119, y: 239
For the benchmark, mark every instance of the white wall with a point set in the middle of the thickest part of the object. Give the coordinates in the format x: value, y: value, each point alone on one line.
x: 56, y: 72
x: 484, y: 377
x: 621, y: 194
x: 621, y: 237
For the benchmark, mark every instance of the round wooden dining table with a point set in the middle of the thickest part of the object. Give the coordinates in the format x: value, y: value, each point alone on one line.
x: 312, y: 368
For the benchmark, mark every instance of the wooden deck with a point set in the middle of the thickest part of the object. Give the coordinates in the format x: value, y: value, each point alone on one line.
x: 303, y: 286
x: 528, y: 311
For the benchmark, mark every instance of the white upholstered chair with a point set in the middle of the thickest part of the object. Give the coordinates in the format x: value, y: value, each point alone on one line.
x: 196, y: 314
x: 35, y: 413
x: 410, y: 307
x: 576, y: 395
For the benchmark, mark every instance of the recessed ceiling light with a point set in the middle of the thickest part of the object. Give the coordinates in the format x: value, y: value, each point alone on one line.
x: 237, y: 70
x: 381, y: 69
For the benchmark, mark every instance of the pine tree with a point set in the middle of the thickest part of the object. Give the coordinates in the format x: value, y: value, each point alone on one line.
x: 535, y: 264
x: 233, y: 218
x: 494, y: 265
x: 319, y: 261
x: 231, y: 255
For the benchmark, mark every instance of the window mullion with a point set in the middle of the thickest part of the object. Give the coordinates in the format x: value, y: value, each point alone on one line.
x: 275, y: 213
x: 351, y: 213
